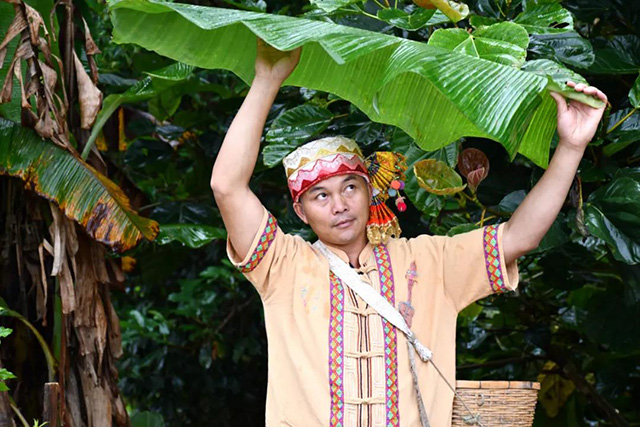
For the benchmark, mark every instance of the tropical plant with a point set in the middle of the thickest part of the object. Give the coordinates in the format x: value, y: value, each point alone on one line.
x: 554, y: 328
x: 193, y: 337
x: 47, y: 89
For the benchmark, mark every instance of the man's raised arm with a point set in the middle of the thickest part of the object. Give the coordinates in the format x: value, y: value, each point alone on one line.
x: 577, y: 123
x: 240, y: 209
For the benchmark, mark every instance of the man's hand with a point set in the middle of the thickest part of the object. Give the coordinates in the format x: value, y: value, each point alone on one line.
x: 577, y: 122
x: 275, y: 65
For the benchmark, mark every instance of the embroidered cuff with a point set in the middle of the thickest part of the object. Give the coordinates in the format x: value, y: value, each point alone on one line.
x: 261, y: 246
x: 496, y: 271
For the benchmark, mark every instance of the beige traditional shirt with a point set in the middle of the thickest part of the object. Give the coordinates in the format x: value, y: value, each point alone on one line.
x: 333, y: 361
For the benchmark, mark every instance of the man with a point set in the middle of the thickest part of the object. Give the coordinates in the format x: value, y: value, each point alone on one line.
x: 332, y: 359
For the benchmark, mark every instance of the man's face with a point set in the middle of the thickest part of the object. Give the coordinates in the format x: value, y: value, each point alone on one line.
x: 337, y: 209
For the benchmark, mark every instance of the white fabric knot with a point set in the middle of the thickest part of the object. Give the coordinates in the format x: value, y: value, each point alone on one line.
x: 423, y: 351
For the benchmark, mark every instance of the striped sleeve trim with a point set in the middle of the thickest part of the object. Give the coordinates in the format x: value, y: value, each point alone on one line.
x: 268, y: 234
x: 493, y: 260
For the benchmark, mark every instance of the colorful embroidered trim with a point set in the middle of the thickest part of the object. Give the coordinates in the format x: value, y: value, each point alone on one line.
x: 387, y: 286
x: 492, y: 259
x: 259, y: 252
x: 336, y: 351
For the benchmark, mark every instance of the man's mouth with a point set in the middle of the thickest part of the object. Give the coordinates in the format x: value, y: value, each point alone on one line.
x: 344, y: 223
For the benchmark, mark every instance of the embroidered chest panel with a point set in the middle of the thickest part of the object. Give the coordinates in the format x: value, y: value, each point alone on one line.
x: 363, y: 354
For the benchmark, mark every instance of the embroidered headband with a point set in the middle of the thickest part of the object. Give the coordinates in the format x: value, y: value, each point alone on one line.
x: 338, y: 155
x: 322, y: 159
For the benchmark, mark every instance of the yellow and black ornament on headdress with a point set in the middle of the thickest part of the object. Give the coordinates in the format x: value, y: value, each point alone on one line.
x: 386, y: 174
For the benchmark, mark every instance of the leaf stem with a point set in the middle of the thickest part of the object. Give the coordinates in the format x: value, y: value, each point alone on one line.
x: 478, y: 203
x: 19, y: 414
x: 364, y: 12
x: 622, y: 120
x: 339, y: 116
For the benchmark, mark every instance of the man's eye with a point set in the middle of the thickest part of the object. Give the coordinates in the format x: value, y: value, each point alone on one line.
x: 351, y: 187
x: 321, y: 196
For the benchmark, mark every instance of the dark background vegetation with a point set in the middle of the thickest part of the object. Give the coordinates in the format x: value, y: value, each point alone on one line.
x: 192, y: 327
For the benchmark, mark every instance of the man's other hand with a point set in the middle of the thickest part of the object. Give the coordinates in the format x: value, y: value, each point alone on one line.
x: 577, y: 122
x: 275, y: 65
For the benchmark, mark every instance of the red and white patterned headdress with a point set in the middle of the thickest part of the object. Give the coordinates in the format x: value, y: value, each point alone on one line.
x: 337, y: 155
x: 322, y: 159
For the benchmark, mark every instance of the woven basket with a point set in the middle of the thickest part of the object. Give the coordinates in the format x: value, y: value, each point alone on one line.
x: 495, y: 403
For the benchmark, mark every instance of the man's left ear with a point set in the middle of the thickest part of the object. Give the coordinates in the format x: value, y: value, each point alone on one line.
x: 299, y: 210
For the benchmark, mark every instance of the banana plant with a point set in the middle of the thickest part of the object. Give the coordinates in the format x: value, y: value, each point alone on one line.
x: 434, y: 93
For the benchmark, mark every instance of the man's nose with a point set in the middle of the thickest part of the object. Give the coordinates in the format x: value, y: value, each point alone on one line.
x: 339, y: 204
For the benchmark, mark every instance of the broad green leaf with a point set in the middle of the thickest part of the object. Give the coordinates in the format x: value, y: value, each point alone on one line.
x: 253, y: 5
x: 505, y: 43
x: 558, y: 76
x: 556, y: 236
x: 511, y: 201
x: 332, y: 5
x: 155, y: 84
x: 461, y: 228
x: 568, y: 47
x: 191, y: 235
x: 545, y: 18
x: 450, y: 95
x: 634, y: 94
x: 479, y: 21
x: 618, y: 55
x: 554, y: 389
x: 147, y: 419
x: 613, y: 215
x: 415, y: 20
x: 626, y: 132
x: 437, y: 177
x: 292, y: 128
x: 295, y: 126
x: 81, y: 192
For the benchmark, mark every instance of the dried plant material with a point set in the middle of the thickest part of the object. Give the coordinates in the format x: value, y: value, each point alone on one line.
x: 90, y: 46
x: 89, y: 95
x: 67, y: 290
x: 72, y: 242
x: 59, y: 237
x: 49, y: 117
x: 16, y: 27
x: 43, y: 281
x: 23, y: 52
x: 36, y: 284
x: 35, y: 21
x: 91, y: 49
x: 97, y: 395
x: 115, y: 335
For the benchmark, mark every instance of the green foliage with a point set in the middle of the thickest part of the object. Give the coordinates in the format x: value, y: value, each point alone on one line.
x: 4, y: 374
x: 81, y: 192
x: 195, y: 349
x: 399, y: 72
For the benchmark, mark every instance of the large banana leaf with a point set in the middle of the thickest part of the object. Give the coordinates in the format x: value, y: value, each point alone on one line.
x: 82, y: 192
x: 435, y: 95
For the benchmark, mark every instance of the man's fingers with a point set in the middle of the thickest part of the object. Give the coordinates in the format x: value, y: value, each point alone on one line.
x: 591, y: 90
x: 600, y: 94
x: 571, y: 84
x: 560, y: 101
x: 580, y: 87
